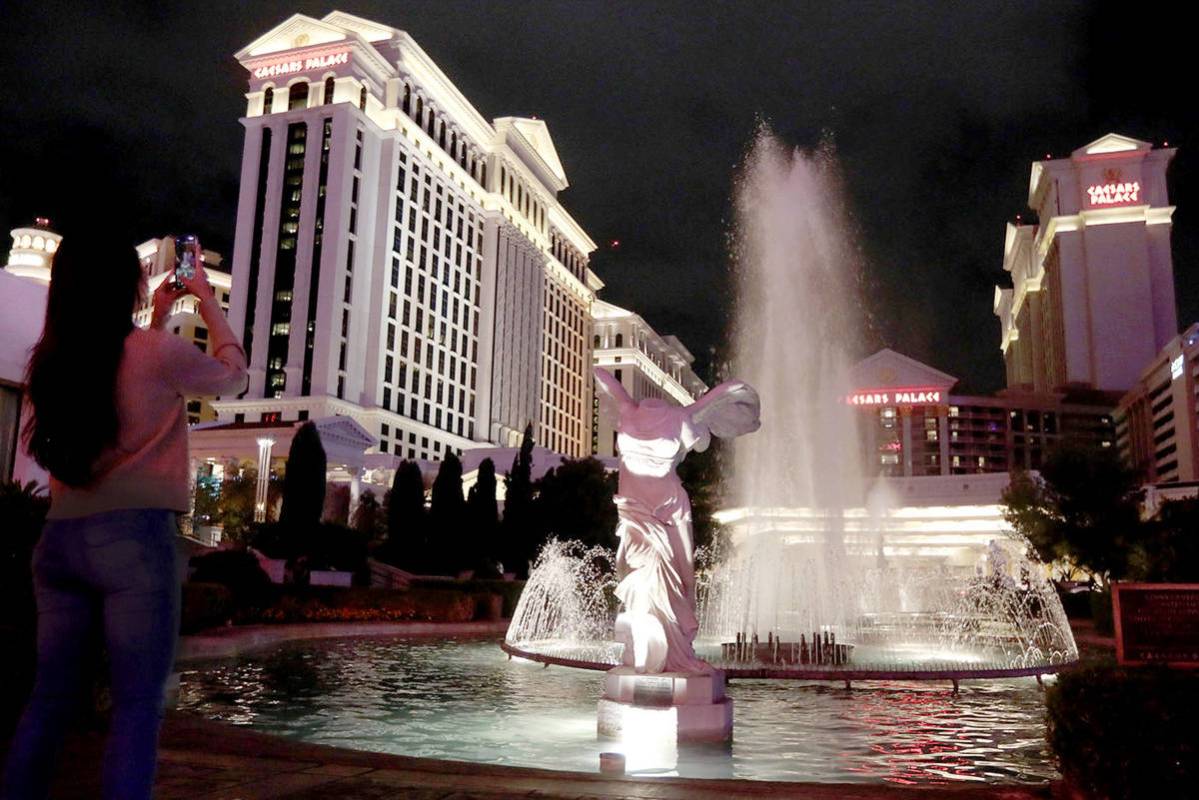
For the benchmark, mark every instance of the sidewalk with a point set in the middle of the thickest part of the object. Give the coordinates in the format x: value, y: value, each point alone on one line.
x: 212, y: 761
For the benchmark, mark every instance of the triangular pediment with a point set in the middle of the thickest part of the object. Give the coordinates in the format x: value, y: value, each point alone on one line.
x: 537, y: 134
x: 1112, y: 143
x: 370, y: 31
x: 888, y: 369
x: 344, y: 430
x: 298, y: 30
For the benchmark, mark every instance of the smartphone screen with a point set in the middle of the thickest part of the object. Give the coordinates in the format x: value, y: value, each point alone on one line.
x: 185, y: 256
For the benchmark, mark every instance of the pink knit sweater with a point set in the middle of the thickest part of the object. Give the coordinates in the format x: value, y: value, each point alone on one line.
x: 148, y: 466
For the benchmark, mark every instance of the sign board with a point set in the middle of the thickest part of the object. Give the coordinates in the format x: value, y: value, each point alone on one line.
x: 1156, y: 623
x: 920, y: 396
x: 288, y: 66
x: 1114, y: 194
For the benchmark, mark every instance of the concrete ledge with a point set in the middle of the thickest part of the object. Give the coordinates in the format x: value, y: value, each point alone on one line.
x: 238, y: 639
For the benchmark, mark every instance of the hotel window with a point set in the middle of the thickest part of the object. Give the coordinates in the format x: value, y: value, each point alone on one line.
x: 297, y: 95
x: 362, y: 99
x: 268, y: 100
x: 329, y: 90
x: 406, y: 104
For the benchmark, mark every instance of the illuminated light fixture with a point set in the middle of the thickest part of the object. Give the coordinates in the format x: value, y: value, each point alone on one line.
x: 1176, y: 367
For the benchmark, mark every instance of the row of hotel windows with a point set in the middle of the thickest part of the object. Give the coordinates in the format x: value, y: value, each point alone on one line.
x: 427, y: 449
x: 521, y: 198
x: 567, y: 255
x: 563, y: 363
x: 446, y: 332
x: 447, y: 138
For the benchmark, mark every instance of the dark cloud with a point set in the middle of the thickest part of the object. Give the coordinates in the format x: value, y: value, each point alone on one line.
x: 936, y: 110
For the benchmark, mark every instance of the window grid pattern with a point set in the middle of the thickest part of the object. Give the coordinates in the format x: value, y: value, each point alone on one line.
x: 431, y: 314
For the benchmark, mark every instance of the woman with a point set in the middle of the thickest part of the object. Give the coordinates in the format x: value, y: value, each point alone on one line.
x: 109, y: 425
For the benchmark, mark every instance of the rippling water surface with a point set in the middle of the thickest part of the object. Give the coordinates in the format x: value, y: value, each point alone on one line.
x: 464, y: 700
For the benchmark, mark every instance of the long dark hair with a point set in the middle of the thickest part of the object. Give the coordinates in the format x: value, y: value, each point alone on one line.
x: 71, y: 379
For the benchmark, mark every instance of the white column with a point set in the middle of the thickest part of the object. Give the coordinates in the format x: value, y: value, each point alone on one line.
x: 264, y: 477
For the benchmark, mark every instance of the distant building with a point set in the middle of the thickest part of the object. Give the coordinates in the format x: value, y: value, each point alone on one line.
x: 645, y: 363
x: 22, y: 310
x: 185, y: 316
x: 1156, y: 425
x: 912, y: 426
x: 399, y: 259
x: 33, y: 249
x: 1092, y: 296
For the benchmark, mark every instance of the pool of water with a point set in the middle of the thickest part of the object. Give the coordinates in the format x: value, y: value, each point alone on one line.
x: 464, y: 700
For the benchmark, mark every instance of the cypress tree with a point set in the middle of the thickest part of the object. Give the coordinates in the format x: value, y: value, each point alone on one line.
x: 518, y: 530
x: 482, y: 515
x: 406, y: 524
x: 448, y: 513
x: 304, y: 480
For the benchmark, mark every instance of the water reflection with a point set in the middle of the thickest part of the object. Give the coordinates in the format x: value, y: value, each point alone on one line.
x: 464, y: 700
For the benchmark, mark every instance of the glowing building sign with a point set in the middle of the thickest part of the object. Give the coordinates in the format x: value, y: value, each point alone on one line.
x: 895, y: 397
x: 1176, y: 367
x: 277, y: 68
x: 1114, y: 194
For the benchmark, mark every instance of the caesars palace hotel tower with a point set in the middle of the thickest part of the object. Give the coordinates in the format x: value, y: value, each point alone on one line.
x: 399, y: 259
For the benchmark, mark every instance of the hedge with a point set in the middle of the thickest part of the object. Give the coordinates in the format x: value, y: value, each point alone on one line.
x: 509, y: 590
x: 1126, y: 733
x: 339, y: 604
x: 206, y: 605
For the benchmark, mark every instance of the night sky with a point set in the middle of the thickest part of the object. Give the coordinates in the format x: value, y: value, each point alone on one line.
x: 936, y: 111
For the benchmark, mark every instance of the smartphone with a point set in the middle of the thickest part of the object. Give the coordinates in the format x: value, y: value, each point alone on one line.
x: 185, y: 259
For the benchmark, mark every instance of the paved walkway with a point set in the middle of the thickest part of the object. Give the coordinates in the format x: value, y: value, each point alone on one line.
x: 212, y: 761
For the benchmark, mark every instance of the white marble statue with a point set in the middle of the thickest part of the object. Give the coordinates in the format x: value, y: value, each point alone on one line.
x: 655, y: 560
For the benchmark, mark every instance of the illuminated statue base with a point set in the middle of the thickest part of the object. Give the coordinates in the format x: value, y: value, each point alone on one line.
x: 684, y: 707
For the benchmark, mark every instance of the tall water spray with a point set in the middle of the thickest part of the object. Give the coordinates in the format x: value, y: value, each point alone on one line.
x: 796, y: 321
x: 795, y: 327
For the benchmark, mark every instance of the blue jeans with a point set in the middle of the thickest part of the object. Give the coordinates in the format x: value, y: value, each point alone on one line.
x: 117, y: 568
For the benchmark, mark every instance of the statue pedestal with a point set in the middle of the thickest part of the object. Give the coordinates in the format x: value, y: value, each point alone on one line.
x: 684, y: 707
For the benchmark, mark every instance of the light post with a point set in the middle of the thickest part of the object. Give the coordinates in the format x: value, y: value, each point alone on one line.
x: 264, y: 477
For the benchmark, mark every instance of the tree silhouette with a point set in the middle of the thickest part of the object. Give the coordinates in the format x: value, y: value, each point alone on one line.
x: 407, y: 529
x: 519, y: 532
x: 447, y: 517
x: 482, y: 514
x: 304, y: 480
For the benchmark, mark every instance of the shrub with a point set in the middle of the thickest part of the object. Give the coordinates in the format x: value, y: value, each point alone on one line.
x: 1125, y: 733
x: 206, y: 605
x: 238, y: 571
x: 1101, y: 612
x: 337, y: 604
x: 508, y: 590
x: 1077, y: 605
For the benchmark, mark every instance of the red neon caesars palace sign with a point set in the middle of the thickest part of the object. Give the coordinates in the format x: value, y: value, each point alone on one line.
x: 288, y: 66
x: 1113, y: 191
x: 895, y: 397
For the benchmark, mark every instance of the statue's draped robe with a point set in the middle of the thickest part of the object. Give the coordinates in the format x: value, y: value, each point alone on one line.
x: 655, y: 559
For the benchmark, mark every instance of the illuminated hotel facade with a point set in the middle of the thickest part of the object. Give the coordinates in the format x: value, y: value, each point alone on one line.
x: 399, y: 259
x: 1157, y: 425
x: 646, y: 364
x: 1092, y: 295
x: 32, y: 252
x: 912, y: 425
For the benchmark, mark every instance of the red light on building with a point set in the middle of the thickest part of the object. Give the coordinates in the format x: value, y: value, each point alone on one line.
x: 916, y: 396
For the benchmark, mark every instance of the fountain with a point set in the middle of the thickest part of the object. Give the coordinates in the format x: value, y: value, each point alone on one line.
x: 823, y: 576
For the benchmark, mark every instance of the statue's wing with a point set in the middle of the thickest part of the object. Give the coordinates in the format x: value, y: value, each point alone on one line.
x: 612, y: 389
x: 731, y: 409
